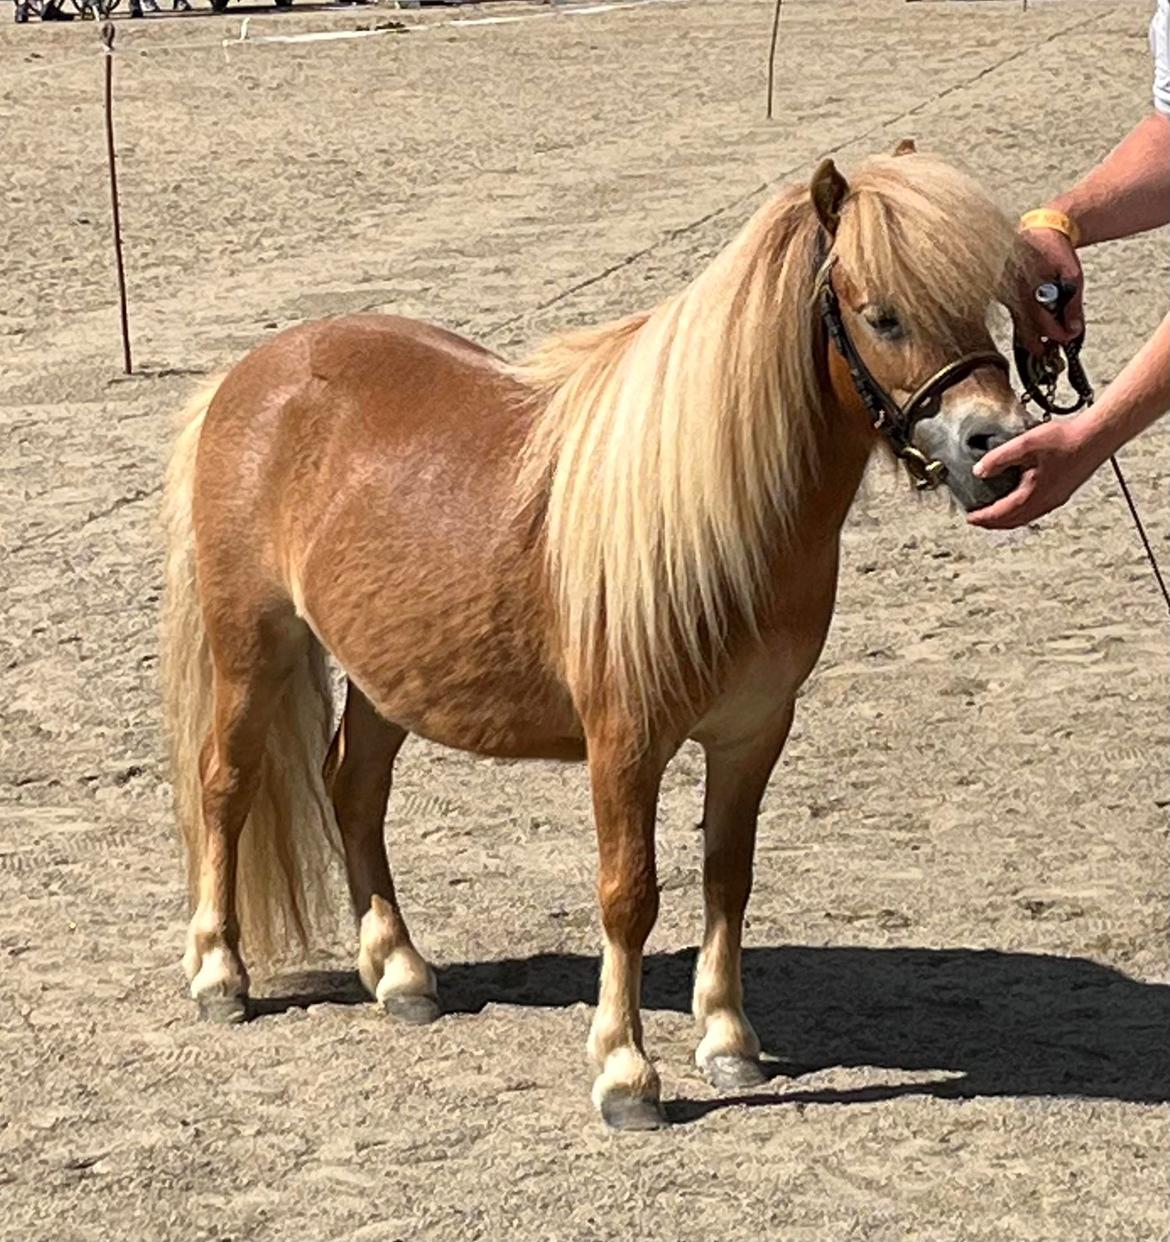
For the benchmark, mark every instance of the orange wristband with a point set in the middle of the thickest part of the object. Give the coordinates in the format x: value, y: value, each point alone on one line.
x: 1047, y: 218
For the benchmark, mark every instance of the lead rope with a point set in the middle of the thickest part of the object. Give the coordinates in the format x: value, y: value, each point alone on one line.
x: 1141, y: 530
x: 1139, y: 525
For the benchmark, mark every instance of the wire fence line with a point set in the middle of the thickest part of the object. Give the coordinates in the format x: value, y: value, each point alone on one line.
x: 242, y: 39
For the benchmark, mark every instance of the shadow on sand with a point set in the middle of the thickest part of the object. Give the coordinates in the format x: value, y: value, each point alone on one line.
x: 1021, y: 1024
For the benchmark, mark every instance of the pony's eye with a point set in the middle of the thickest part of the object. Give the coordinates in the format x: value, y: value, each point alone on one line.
x: 885, y: 323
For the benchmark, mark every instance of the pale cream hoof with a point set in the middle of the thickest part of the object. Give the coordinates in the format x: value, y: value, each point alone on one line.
x: 397, y: 977
x: 729, y: 1054
x: 626, y: 1092
x: 219, y: 985
x: 224, y: 1010
x: 408, y: 990
x: 631, y: 1113
x: 731, y: 1073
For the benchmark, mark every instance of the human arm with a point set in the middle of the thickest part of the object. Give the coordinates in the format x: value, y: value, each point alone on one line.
x: 1057, y: 457
x: 1127, y: 193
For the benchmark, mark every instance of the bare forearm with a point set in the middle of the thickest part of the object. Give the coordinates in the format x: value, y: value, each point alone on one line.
x: 1129, y: 191
x: 1139, y: 395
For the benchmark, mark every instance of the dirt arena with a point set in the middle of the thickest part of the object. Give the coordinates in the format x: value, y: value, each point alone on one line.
x: 958, y: 942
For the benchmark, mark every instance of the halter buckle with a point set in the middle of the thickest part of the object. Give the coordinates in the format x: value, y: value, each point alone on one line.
x: 927, y: 472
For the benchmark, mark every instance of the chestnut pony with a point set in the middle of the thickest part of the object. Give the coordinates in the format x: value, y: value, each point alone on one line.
x: 628, y: 540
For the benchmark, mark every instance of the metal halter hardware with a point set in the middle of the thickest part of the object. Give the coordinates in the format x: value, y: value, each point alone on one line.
x: 1040, y: 375
x: 896, y: 422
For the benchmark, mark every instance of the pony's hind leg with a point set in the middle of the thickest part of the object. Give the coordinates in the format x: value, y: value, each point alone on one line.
x: 358, y: 774
x: 737, y: 775
x: 230, y: 766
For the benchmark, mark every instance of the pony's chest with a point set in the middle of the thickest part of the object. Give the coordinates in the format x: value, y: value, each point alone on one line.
x: 756, y: 692
x: 761, y: 685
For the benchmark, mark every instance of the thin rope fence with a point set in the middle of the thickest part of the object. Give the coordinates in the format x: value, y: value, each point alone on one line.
x: 392, y: 27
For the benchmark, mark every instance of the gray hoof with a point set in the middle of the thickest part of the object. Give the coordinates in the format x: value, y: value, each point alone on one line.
x: 224, y: 1010
x: 731, y: 1073
x: 413, y: 1010
x: 630, y: 1112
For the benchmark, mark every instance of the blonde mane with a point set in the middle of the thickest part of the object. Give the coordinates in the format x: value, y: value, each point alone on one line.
x: 672, y: 450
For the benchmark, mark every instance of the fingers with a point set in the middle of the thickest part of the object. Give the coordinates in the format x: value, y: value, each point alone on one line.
x: 1033, y: 322
x: 1074, y: 313
x: 1013, y: 453
x: 1017, y: 509
x: 1029, y: 335
x: 1048, y: 256
x: 1060, y: 330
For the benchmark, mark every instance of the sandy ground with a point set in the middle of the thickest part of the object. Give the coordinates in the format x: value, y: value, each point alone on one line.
x: 959, y: 935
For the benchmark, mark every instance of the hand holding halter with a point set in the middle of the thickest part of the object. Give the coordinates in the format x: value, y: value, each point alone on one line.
x: 1039, y: 377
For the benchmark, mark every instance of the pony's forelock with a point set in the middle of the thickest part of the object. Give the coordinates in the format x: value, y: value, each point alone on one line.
x: 923, y: 236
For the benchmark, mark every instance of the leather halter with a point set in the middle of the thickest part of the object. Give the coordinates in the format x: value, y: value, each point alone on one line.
x: 896, y: 422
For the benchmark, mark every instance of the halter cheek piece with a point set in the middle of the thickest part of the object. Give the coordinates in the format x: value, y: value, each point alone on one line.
x: 896, y: 422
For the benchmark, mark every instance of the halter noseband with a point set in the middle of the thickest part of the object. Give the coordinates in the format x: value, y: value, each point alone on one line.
x: 896, y: 422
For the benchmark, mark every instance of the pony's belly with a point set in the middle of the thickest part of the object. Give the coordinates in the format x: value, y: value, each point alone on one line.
x: 505, y: 715
x: 495, y: 743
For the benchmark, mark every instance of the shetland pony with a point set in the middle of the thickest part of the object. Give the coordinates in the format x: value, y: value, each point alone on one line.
x: 625, y: 541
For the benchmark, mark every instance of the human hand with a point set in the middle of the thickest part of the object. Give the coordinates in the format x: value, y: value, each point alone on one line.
x: 1054, y: 459
x: 1047, y: 255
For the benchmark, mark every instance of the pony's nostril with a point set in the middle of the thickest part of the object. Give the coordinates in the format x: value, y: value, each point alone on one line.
x: 981, y: 442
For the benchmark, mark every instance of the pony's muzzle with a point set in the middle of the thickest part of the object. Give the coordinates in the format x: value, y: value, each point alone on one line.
x: 959, y: 442
x: 978, y: 435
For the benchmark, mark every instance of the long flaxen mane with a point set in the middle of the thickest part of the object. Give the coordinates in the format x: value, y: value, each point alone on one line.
x: 672, y: 449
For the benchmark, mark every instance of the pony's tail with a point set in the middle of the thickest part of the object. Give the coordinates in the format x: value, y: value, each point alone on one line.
x: 184, y: 657
x: 290, y: 837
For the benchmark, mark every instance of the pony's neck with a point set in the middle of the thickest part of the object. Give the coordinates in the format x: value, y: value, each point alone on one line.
x: 683, y: 454
x: 844, y: 440
x: 784, y: 425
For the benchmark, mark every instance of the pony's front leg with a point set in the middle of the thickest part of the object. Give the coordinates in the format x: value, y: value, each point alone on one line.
x: 737, y: 775
x: 625, y: 795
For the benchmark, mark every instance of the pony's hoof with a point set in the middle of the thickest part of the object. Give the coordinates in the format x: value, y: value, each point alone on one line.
x: 224, y: 1010
x: 732, y: 1073
x: 413, y: 1010
x: 620, y: 1111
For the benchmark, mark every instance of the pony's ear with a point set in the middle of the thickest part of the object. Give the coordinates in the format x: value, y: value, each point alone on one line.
x: 828, y: 190
x: 906, y: 147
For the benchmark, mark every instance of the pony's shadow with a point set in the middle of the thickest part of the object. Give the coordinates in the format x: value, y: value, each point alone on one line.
x: 301, y: 988
x: 1019, y: 1024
